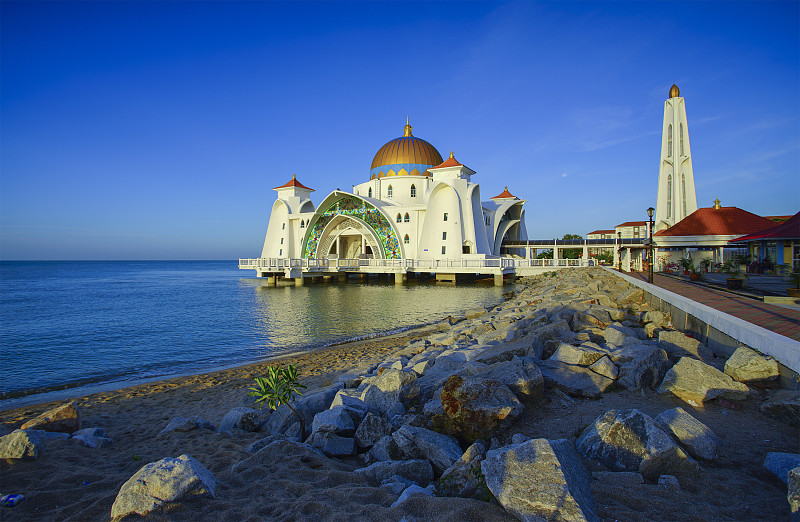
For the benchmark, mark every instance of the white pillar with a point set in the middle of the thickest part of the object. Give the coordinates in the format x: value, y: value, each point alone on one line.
x: 555, y: 252
x: 339, y: 247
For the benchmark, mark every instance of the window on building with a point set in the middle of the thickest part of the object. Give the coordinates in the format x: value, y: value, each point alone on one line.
x: 669, y: 196
x: 681, y: 139
x: 407, y: 218
x: 281, y: 241
x: 669, y: 142
x: 444, y: 236
x: 445, y: 217
x: 405, y: 239
x: 636, y: 232
x: 280, y: 252
x: 465, y: 249
x: 486, y: 219
x: 399, y: 218
x: 302, y: 224
x: 283, y: 227
x: 369, y: 192
x: 683, y: 192
x: 413, y: 191
x: 389, y: 192
x: 444, y: 250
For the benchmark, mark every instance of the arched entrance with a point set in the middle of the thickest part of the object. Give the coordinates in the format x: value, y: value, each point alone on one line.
x: 348, y: 238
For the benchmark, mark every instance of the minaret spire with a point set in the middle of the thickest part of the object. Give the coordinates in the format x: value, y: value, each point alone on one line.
x: 676, y: 194
x: 407, y: 129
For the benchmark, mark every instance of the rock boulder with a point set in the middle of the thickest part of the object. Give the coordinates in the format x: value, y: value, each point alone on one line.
x: 66, y: 419
x: 696, y: 382
x: 22, y: 444
x: 690, y: 433
x: 746, y: 365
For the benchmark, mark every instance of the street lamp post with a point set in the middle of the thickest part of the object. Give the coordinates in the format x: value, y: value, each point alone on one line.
x: 619, y: 251
x: 650, y: 212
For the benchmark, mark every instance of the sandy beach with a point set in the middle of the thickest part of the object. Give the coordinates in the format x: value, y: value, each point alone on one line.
x: 72, y: 482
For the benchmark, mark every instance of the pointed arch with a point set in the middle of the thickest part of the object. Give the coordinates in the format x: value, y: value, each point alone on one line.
x: 669, y: 141
x: 407, y: 218
x: 406, y: 239
x: 413, y: 190
x: 681, y: 137
x: 369, y: 192
x: 669, y: 196
x: 399, y: 218
x: 389, y: 192
x: 683, y: 193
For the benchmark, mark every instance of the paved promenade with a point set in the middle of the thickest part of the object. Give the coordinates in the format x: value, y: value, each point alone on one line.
x: 779, y: 319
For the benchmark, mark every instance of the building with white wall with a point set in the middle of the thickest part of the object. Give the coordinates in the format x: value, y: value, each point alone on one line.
x: 415, y: 206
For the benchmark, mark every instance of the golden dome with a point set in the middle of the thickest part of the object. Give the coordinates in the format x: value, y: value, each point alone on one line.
x: 674, y: 92
x: 405, y: 155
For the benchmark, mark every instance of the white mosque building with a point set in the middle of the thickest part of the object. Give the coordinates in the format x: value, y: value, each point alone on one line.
x: 415, y: 212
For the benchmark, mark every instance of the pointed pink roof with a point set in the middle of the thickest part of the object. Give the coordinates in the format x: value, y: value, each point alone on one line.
x: 789, y: 229
x: 505, y: 195
x: 723, y: 221
x: 293, y: 183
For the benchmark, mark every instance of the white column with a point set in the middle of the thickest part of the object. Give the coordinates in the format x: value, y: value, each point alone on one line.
x: 555, y: 252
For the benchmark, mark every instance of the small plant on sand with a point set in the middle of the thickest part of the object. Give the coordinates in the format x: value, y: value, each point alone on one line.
x: 278, y: 387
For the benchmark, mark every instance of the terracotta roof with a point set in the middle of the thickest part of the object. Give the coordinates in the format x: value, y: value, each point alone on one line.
x: 602, y: 232
x: 449, y: 162
x: 723, y: 221
x: 778, y: 219
x: 505, y: 195
x: 633, y: 224
x: 789, y: 229
x: 293, y: 183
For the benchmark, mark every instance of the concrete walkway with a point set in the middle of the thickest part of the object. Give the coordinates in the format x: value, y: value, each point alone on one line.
x: 783, y: 320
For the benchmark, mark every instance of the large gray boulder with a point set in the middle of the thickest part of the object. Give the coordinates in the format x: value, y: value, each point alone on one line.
x: 696, y: 382
x: 540, y: 480
x: 383, y: 450
x: 569, y: 354
x: 92, y: 438
x: 746, y: 365
x: 605, y: 367
x: 616, y: 334
x: 157, y: 483
x: 421, y: 443
x: 475, y: 408
x: 783, y: 405
x: 677, y: 344
x: 335, y: 420
x: 646, y: 370
x: 578, y: 381
x: 694, y: 436
x: 22, y: 444
x: 629, y: 440
x: 520, y: 374
x: 781, y: 463
x: 793, y: 493
x: 371, y: 430
x: 390, y: 387
x: 464, y: 478
x: 65, y: 418
x: 246, y: 419
x: 280, y: 420
x: 418, y: 470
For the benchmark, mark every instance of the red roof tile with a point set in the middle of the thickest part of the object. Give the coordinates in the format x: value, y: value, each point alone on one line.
x: 293, y: 183
x: 790, y: 229
x: 633, y: 224
x: 723, y: 221
x: 449, y: 162
x: 505, y: 195
x: 602, y: 232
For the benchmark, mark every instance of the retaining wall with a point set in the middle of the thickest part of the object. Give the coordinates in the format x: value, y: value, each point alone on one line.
x: 721, y: 332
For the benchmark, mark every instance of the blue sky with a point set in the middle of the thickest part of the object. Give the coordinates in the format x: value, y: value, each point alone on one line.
x: 149, y: 130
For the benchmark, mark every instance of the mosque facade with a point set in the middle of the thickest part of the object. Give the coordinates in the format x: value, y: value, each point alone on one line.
x: 414, y: 206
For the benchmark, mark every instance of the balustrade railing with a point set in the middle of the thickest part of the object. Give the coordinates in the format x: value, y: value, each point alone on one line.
x: 276, y: 264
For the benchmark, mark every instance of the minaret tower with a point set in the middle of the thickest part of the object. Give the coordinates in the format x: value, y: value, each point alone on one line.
x: 676, y: 195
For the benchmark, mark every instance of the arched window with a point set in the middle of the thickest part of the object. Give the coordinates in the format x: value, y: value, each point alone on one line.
x: 407, y: 218
x: 683, y: 191
x: 283, y: 227
x: 399, y: 218
x: 369, y: 193
x: 302, y: 224
x: 669, y: 142
x: 405, y: 239
x: 669, y: 196
x: 389, y: 192
x: 413, y: 191
x: 682, y: 154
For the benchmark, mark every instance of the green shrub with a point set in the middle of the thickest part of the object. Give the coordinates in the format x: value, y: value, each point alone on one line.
x: 277, y: 388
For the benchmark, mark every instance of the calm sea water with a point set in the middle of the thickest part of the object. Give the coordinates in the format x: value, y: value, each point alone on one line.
x: 79, y: 324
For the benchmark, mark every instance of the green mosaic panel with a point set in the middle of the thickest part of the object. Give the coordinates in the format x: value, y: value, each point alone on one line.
x: 360, y: 209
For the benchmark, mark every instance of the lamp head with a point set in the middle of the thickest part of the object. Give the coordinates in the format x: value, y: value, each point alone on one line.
x: 650, y: 212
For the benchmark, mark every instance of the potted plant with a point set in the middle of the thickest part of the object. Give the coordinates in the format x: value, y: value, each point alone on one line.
x: 732, y: 267
x: 706, y: 264
x: 794, y: 275
x: 671, y: 267
x: 687, y: 263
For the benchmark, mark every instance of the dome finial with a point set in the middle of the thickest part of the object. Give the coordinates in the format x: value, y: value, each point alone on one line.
x: 717, y: 204
x: 294, y: 176
x: 451, y: 153
x: 674, y: 92
x: 407, y: 129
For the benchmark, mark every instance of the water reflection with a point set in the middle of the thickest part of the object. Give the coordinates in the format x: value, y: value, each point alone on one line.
x: 289, y: 318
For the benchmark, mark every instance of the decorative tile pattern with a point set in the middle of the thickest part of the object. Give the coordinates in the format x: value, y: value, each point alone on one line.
x: 365, y: 213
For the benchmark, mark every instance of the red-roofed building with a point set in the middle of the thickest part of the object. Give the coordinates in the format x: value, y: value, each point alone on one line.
x: 705, y: 233
x: 505, y: 195
x: 780, y: 243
